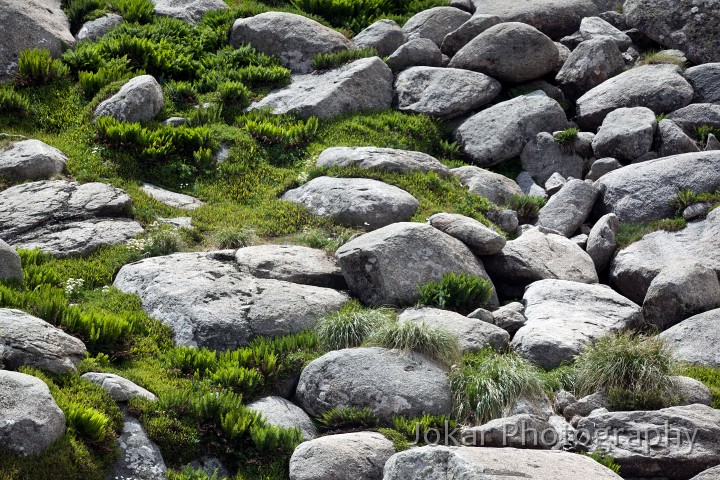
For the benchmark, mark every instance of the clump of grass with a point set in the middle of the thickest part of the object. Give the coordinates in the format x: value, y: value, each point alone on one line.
x: 490, y: 383
x: 703, y: 131
x: 566, y: 136
x: 345, y: 418
x: 656, y: 58
x: 434, y: 342
x: 140, y: 11
x: 325, y: 61
x: 36, y: 67
x: 604, y: 459
x: 278, y: 130
x: 635, y: 371
x: 12, y: 102
x: 526, y: 207
x: 232, y: 237
x: 324, y: 239
x: 351, y: 326
x: 629, y: 233
x: 425, y: 424
x: 461, y: 292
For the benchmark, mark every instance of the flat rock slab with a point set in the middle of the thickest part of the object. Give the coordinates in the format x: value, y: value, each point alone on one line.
x: 565, y: 317
x: 358, y: 202
x: 292, y: 263
x: 388, y: 382
x: 29, y: 341
x: 31, y: 160
x: 695, y: 340
x: 384, y: 159
x: 281, y: 412
x: 65, y: 218
x: 209, y: 301
x: 190, y: 11
x: 171, y: 199
x: 140, y: 458
x: 30, y: 420
x: 120, y: 389
x: 364, y: 84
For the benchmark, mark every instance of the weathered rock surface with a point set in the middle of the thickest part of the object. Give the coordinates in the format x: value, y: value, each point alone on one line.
x: 596, y: 27
x: 472, y: 334
x: 208, y: 301
x: 601, y: 166
x: 493, y: 186
x: 543, y: 156
x: 705, y: 80
x: 709, y: 474
x: 171, y: 199
x: 695, y: 339
x: 140, y: 458
x: 443, y: 92
x: 682, y: 25
x: 641, y: 192
x: 500, y: 132
x: 510, y: 52
x: 291, y: 263
x: 385, y: 36
x: 693, y: 444
x: 386, y: 266
x: 431, y: 463
x: 26, y: 340
x: 138, y: 100
x: 365, y: 84
x: 696, y: 115
x: 435, y: 23
x: 358, y: 455
x: 671, y: 140
x: 568, y: 209
x: 293, y: 38
x: 516, y: 431
x: 30, y: 420
x: 692, y: 391
x: 120, y: 389
x: 479, y: 238
x: 414, y: 53
x: 97, y: 28
x: 388, y: 382
x: 588, y: 65
x: 31, y: 160
x: 528, y: 185
x: 602, y: 241
x: 626, y: 134
x: 385, y: 159
x: 65, y: 218
x: 283, y: 413
x: 10, y: 264
x: 509, y: 317
x: 187, y: 10
x: 661, y: 88
x: 359, y: 202
x: 457, y: 39
x: 563, y: 317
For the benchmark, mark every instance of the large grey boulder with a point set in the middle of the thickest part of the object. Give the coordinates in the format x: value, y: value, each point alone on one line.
x: 443, y: 92
x: 528, y: 185
x: 435, y: 23
x: 10, y: 264
x: 209, y: 301
x: 119, y: 388
x: 359, y: 202
x: 695, y: 340
x: 140, y: 458
x: 171, y: 199
x: 414, y: 53
x: 564, y: 317
x: 596, y: 27
x: 679, y: 291
x: 138, y: 100
x: 457, y: 39
x: 500, y: 132
x: 510, y: 52
x: 31, y: 160
x: 347, y: 456
x: 588, y: 65
x: 601, y: 166
x: 670, y: 139
x: 95, y: 29
x: 293, y: 38
x: 479, y: 238
x: 515, y: 431
x: 682, y: 25
x: 696, y: 115
x: 555, y: 18
x: 641, y: 192
x: 705, y: 80
x: 190, y: 11
x: 472, y: 334
x: 661, y: 88
x: 692, y: 391
x: 375, y: 265
x: 509, y: 317
x: 291, y: 263
x: 568, y: 209
x: 65, y: 218
x: 685, y: 440
x: 709, y: 474
x: 626, y: 134
x: 536, y: 256
x: 385, y: 36
x: 28, y: 24
x: 493, y: 186
x: 280, y: 412
x: 487, y: 463
x: 365, y: 84
x: 26, y: 340
x: 30, y: 420
x: 388, y: 382
x: 543, y: 156
x: 385, y: 159
x: 602, y: 241
x: 635, y: 266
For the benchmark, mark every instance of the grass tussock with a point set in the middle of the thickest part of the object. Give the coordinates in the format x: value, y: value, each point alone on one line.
x: 351, y: 326
x: 433, y: 342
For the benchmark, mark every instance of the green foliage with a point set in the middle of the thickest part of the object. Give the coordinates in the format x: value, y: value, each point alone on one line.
x: 350, y: 326
x: 604, y: 459
x: 436, y: 427
x: 278, y: 130
x: 36, y: 67
x: 526, y: 207
x: 234, y: 93
x: 434, y: 342
x: 81, y: 11
x: 702, y: 132
x: 487, y: 384
x: 141, y: 11
x: 461, y: 292
x: 633, y: 370
x: 324, y: 239
x: 232, y: 237
x: 709, y: 376
x: 326, y: 61
x: 348, y: 418
x: 189, y: 473
x: 12, y: 102
x: 566, y: 136
x: 113, y: 71
x: 87, y: 422
x: 655, y: 58
x: 399, y: 440
x: 629, y: 233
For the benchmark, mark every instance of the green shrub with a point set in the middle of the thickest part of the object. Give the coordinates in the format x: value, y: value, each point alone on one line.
x: 410, y: 427
x: 461, y: 292
x: 489, y: 383
x: 702, y: 132
x: 633, y: 370
x: 268, y: 438
x: 181, y: 93
x: 206, y: 115
x: 434, y: 342
x: 326, y: 61
x: 140, y: 11
x: 567, y: 136
x: 87, y: 422
x: 189, y: 360
x: 399, y: 440
x: 232, y: 237
x: 350, y: 326
x: 526, y: 207
x: 348, y: 418
x: 12, y: 102
x: 36, y: 67
x: 604, y: 459
x: 100, y: 331
x: 286, y: 130
x: 234, y: 93
x: 81, y: 11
